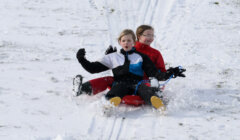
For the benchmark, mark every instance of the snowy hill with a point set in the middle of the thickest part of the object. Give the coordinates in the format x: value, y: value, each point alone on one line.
x: 38, y: 43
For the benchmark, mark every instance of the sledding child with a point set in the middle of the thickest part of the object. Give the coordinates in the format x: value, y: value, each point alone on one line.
x: 128, y: 67
x: 145, y: 36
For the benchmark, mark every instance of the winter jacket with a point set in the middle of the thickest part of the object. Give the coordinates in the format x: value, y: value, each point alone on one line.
x: 122, y: 70
x: 153, y: 54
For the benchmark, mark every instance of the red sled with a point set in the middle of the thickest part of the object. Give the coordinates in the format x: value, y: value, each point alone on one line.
x: 132, y: 100
x: 135, y: 99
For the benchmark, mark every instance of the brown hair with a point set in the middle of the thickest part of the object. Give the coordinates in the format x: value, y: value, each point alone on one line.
x: 127, y: 32
x: 141, y: 29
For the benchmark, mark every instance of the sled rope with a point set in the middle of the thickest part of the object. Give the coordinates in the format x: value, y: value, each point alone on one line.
x: 163, y: 84
x: 148, y: 81
x: 139, y: 83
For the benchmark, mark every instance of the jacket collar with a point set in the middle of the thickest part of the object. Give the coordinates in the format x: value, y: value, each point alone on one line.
x: 141, y: 45
x: 129, y: 52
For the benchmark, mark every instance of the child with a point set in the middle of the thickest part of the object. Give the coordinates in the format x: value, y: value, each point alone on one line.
x: 145, y: 36
x: 128, y: 69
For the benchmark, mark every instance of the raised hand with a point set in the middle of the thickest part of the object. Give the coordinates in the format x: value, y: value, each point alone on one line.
x: 81, y: 53
x: 110, y: 49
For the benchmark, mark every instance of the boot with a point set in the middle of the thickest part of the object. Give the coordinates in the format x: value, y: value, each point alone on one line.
x: 157, y: 103
x: 77, y: 85
x: 115, y: 101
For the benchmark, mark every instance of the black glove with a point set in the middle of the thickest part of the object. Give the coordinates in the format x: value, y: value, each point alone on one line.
x: 110, y: 49
x: 162, y: 76
x: 81, y: 53
x: 177, y: 71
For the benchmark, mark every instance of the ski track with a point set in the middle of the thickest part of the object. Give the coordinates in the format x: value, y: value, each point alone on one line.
x: 145, y: 12
x: 153, y: 12
x: 91, y: 129
x: 108, y: 22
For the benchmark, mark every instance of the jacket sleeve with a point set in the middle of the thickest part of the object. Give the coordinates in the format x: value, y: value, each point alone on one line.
x: 149, y: 67
x: 92, y: 67
x: 159, y: 62
x: 151, y: 70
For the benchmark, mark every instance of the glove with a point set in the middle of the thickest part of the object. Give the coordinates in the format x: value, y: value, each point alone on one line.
x: 177, y: 71
x: 81, y: 53
x: 110, y: 49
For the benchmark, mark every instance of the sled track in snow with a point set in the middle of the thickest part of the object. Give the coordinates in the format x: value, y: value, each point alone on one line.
x: 117, y: 129
x: 146, y: 11
x: 114, y: 129
x: 153, y: 12
x: 109, y: 128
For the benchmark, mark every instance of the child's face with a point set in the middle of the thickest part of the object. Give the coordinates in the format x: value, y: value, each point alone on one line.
x: 127, y: 42
x: 147, y: 37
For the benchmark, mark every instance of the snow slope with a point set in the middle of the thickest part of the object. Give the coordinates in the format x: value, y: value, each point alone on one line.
x: 38, y: 42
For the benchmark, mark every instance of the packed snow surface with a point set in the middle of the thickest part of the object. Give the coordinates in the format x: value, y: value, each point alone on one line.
x: 38, y: 44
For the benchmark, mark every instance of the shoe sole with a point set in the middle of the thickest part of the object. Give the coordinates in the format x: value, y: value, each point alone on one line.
x: 115, y: 101
x: 76, y: 82
x: 157, y: 103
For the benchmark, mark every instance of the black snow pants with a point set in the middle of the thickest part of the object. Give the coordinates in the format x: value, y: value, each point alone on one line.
x: 120, y: 89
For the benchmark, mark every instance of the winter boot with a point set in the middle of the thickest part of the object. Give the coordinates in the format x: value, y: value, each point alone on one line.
x: 115, y: 101
x: 157, y: 103
x: 77, y: 85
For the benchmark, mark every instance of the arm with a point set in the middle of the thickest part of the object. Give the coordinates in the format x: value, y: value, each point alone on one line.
x: 148, y: 67
x: 151, y: 70
x: 160, y: 63
x: 92, y: 67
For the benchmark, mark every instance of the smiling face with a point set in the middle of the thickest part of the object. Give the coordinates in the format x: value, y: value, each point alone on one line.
x: 146, y: 37
x: 126, y: 42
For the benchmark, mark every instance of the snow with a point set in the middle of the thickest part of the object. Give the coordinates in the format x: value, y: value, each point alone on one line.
x: 38, y: 43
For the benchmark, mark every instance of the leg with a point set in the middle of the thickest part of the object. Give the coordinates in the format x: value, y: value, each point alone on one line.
x: 96, y: 85
x: 148, y: 94
x: 91, y: 87
x: 100, y: 84
x: 86, y: 88
x: 117, y: 92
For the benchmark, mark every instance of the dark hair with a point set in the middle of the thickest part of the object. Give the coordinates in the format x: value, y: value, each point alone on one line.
x: 143, y: 28
x: 127, y: 32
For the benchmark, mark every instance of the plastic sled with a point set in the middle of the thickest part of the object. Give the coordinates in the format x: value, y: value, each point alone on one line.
x: 132, y: 100
x: 135, y: 99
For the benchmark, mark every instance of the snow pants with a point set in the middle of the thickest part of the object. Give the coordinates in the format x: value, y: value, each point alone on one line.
x: 97, y: 85
x: 121, y: 89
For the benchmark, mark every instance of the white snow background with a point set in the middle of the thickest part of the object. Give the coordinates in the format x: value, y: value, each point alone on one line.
x: 38, y: 44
